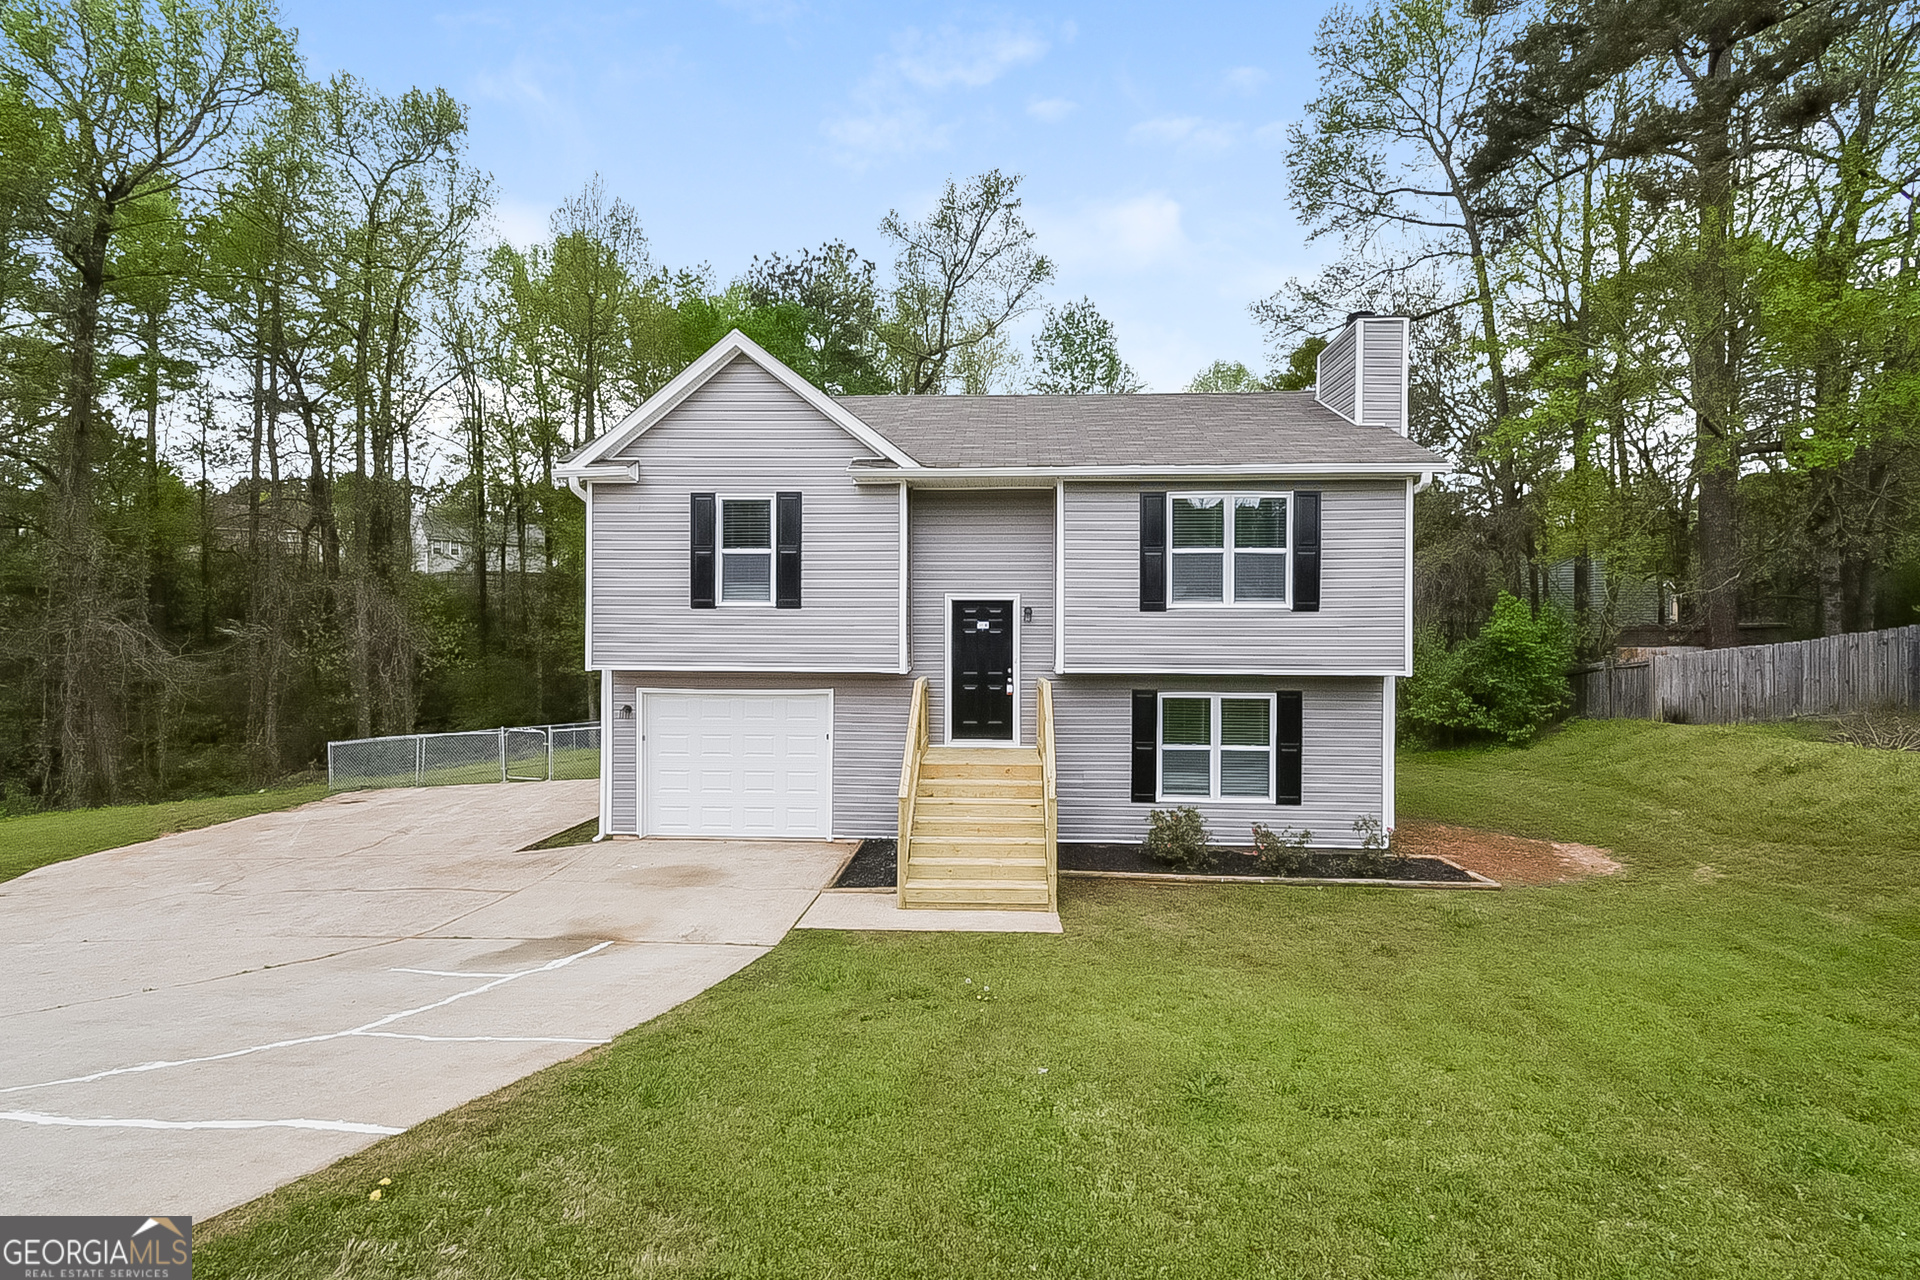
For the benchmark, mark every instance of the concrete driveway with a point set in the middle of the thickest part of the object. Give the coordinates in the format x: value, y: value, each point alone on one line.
x: 189, y: 1023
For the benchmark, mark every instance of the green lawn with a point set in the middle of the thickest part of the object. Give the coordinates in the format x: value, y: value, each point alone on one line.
x: 1706, y: 1067
x: 37, y: 839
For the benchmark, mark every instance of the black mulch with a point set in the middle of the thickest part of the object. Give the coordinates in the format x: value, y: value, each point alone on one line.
x: 872, y: 866
x: 1232, y: 862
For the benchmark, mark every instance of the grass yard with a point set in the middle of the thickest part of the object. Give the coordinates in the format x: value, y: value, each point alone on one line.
x: 38, y: 839
x: 1708, y: 1066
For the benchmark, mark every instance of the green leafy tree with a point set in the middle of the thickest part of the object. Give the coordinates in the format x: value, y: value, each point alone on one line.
x: 833, y: 301
x: 1738, y: 83
x: 1230, y: 375
x: 134, y: 100
x: 598, y: 258
x: 1076, y: 354
x: 961, y: 275
x: 1227, y: 376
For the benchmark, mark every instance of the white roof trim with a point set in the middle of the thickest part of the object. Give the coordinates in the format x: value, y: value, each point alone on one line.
x: 929, y: 476
x: 623, y: 472
x: 695, y: 375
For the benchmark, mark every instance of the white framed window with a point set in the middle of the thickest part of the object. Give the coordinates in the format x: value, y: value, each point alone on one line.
x: 746, y: 549
x: 1216, y: 746
x: 1229, y: 548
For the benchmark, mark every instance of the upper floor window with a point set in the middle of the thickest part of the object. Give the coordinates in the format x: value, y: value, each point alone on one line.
x: 746, y: 550
x: 1229, y: 548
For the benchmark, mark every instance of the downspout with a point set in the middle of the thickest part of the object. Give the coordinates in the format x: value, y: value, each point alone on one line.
x: 606, y: 688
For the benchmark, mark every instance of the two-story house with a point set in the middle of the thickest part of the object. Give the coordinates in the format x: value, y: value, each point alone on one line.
x: 995, y: 618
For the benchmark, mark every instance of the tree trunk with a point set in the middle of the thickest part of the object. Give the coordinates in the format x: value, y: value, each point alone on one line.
x: 1716, y: 447
x: 87, y: 735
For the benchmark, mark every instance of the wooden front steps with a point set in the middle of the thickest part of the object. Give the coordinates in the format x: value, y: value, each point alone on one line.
x: 977, y: 823
x: 979, y: 831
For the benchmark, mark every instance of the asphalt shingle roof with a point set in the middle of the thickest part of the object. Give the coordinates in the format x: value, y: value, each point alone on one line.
x: 1286, y: 428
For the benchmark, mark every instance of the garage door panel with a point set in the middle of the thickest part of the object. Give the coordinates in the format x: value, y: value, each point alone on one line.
x: 728, y: 764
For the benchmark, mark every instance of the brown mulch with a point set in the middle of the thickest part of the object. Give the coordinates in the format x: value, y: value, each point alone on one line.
x: 1512, y: 860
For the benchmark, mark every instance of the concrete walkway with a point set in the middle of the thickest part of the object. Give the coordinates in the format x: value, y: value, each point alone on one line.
x: 188, y: 1023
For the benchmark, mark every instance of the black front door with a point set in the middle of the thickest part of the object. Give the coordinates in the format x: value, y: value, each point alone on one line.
x: 982, y: 675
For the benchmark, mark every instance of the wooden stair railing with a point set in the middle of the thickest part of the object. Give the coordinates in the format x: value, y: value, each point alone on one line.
x: 916, y: 750
x: 1050, y: 786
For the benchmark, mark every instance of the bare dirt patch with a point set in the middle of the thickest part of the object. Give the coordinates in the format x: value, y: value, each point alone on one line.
x: 1512, y: 860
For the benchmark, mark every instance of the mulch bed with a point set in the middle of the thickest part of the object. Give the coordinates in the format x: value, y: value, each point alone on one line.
x: 1511, y: 860
x: 1233, y: 862
x: 871, y: 867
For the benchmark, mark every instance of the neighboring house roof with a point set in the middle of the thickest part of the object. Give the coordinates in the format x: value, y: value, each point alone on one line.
x: 925, y: 436
x: 1284, y: 428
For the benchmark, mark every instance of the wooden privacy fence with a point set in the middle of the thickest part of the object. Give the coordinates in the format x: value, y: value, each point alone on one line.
x: 1757, y: 682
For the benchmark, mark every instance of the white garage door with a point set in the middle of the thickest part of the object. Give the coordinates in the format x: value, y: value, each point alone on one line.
x: 736, y: 764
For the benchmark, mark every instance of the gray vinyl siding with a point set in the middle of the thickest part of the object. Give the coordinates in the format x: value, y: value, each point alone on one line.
x: 869, y: 735
x: 1341, y: 763
x: 1360, y: 628
x: 1383, y: 390
x: 980, y: 543
x: 743, y: 432
x: 1333, y: 379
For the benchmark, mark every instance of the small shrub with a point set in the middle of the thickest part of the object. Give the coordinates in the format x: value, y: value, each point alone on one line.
x: 1177, y: 838
x: 1282, y: 852
x: 1376, y: 846
x: 1504, y: 684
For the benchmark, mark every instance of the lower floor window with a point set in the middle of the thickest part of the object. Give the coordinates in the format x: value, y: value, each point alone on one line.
x: 1216, y: 746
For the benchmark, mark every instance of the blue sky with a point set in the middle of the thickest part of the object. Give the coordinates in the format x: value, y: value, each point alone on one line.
x: 1151, y: 137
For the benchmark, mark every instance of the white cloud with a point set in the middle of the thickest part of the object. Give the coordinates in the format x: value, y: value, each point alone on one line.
x: 889, y: 116
x: 1052, y: 110
x: 1189, y: 133
x: 1245, y: 81
x: 518, y: 82
x: 948, y: 57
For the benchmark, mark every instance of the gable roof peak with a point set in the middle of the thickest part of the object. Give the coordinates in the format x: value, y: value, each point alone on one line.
x: 735, y: 345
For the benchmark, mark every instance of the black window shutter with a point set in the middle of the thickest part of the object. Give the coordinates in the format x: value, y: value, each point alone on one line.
x: 1306, y: 552
x: 1146, y: 746
x: 1286, y: 748
x: 1153, y: 553
x: 702, y: 542
x: 786, y: 552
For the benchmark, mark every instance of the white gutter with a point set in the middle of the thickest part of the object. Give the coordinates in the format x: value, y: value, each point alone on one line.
x: 1046, y: 477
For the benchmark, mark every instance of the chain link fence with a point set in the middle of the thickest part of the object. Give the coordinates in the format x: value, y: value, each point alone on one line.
x: 536, y: 753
